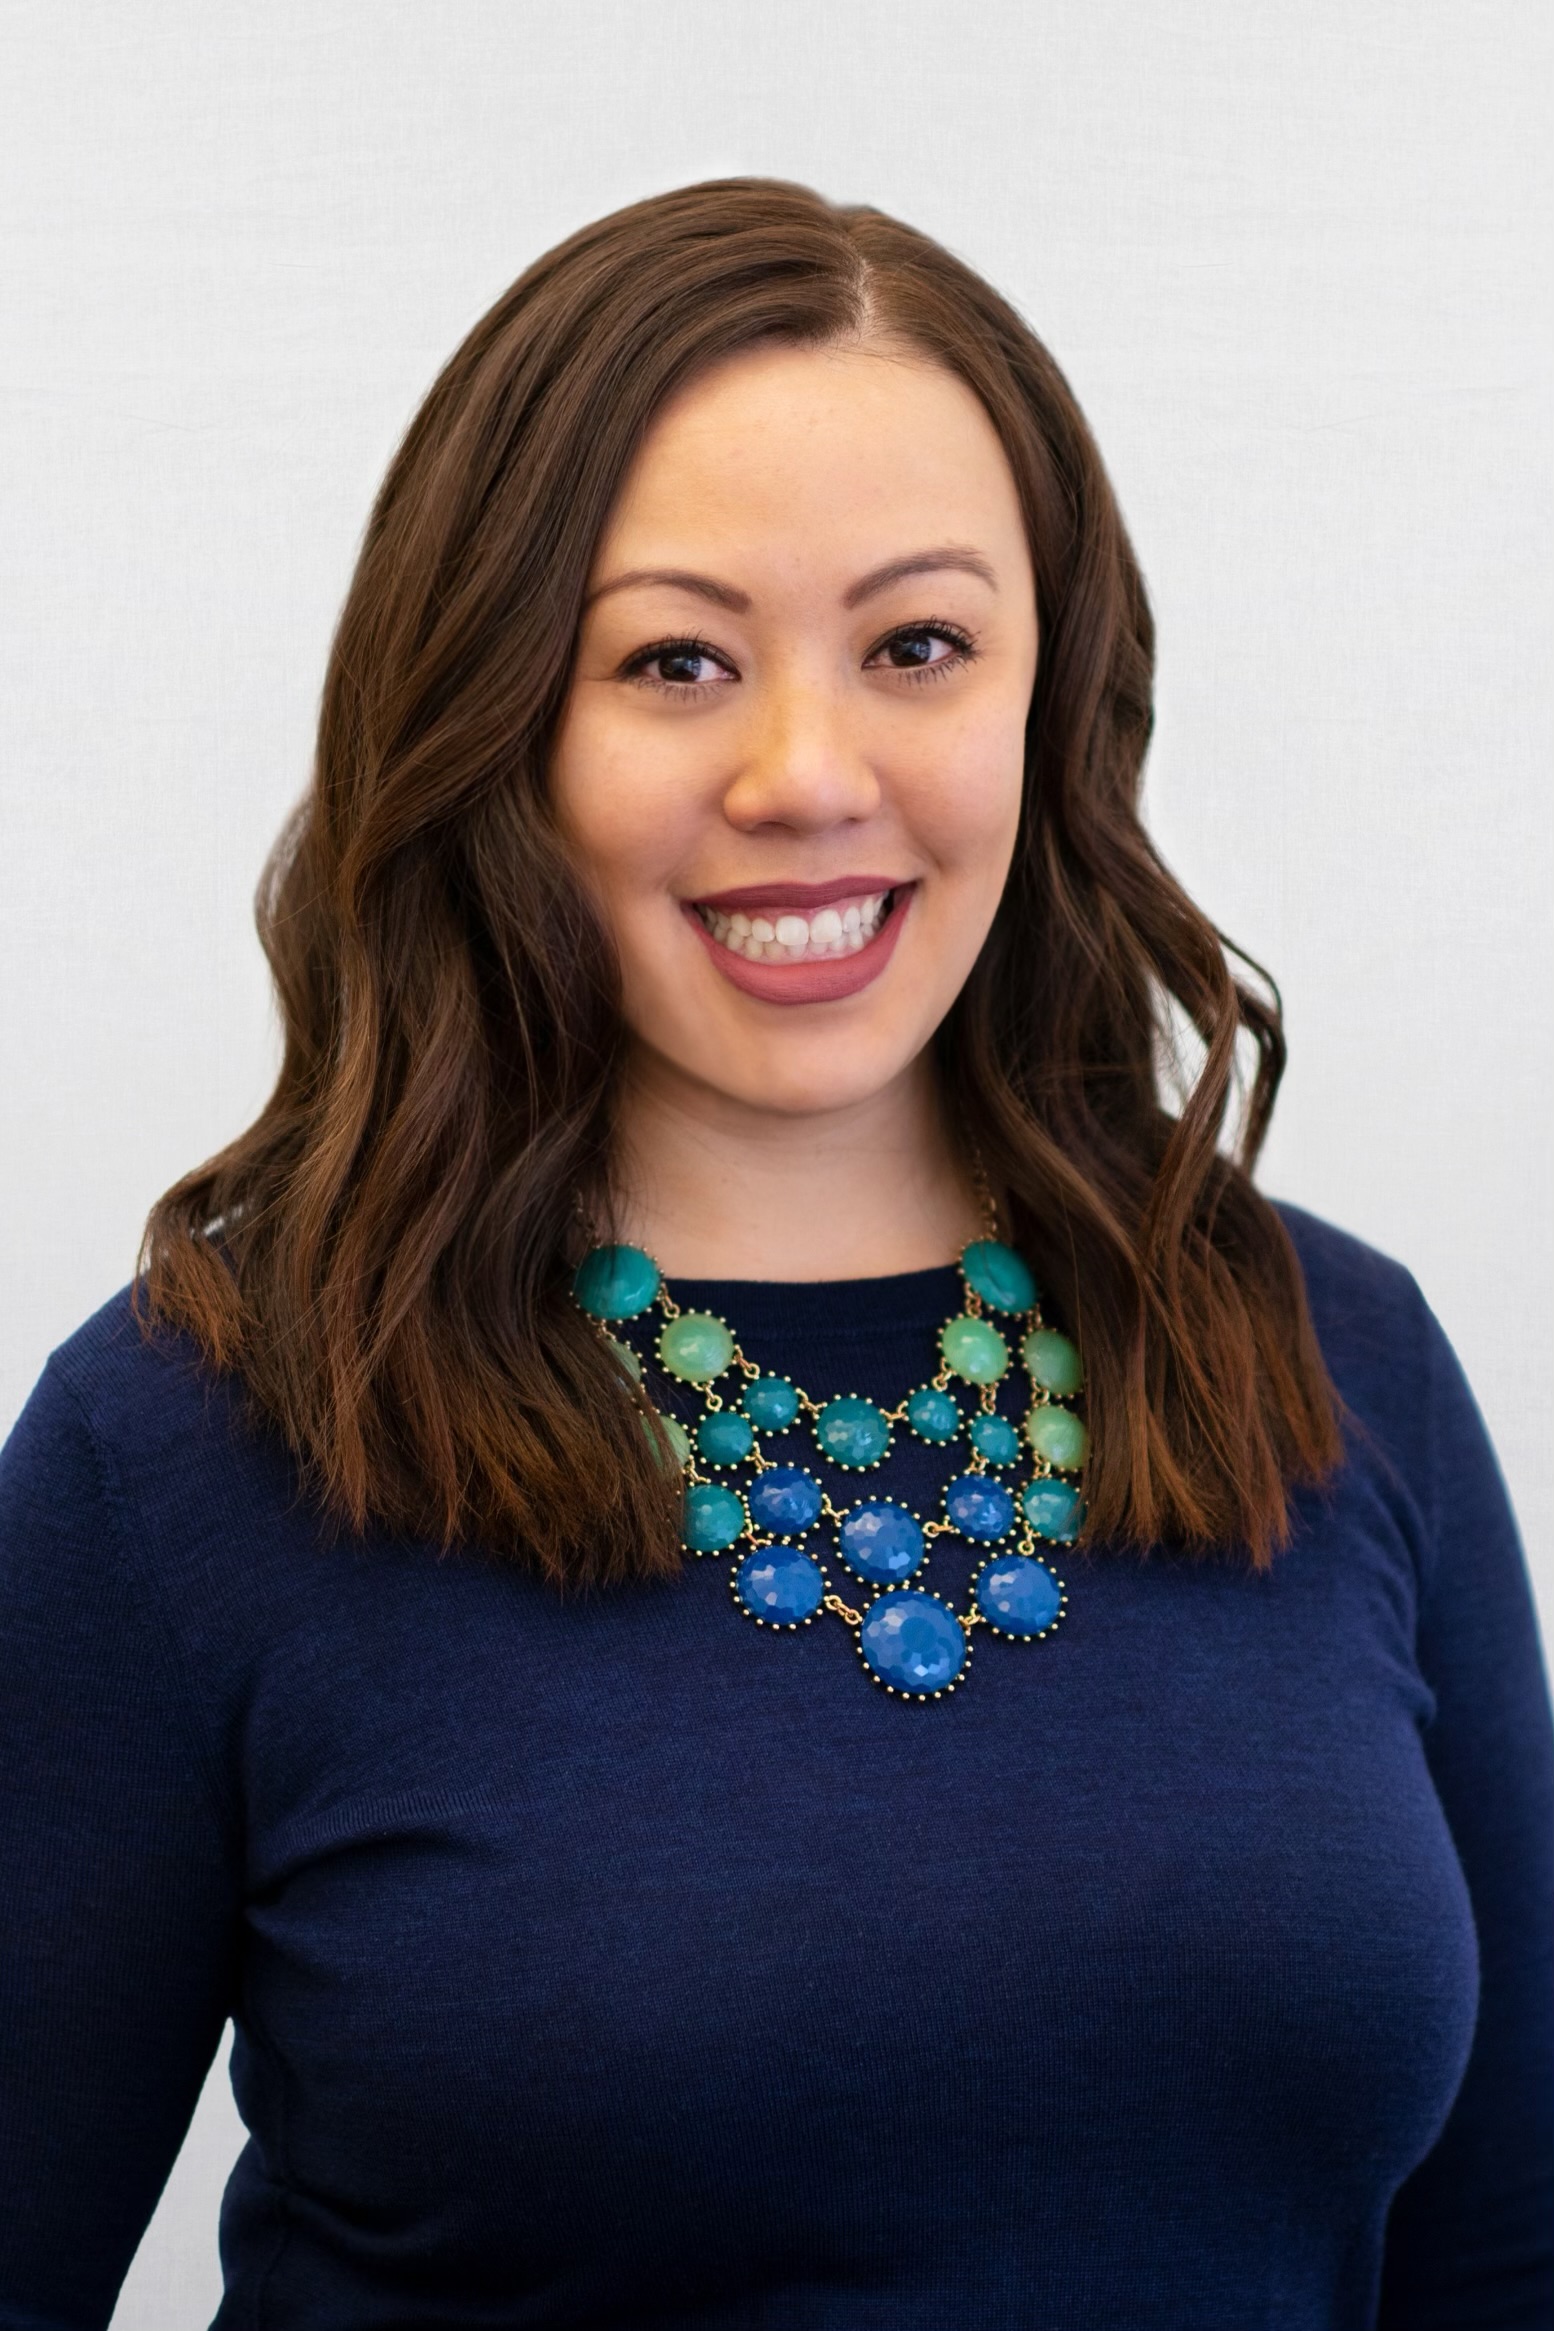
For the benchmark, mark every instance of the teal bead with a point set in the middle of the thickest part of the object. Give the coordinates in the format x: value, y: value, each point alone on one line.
x: 771, y: 1403
x: 973, y: 1350
x: 996, y: 1273
x: 695, y: 1347
x: 994, y: 1438
x: 1052, y: 1361
x: 1054, y: 1509
x: 615, y: 1282
x: 933, y: 1415
x: 724, y: 1437
x: 1059, y: 1436
x: 852, y: 1433
x: 714, y: 1518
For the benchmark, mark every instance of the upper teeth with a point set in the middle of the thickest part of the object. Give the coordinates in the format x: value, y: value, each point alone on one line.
x: 782, y: 935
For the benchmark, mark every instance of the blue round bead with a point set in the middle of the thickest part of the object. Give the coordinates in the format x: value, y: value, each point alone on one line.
x: 994, y: 1438
x: 979, y: 1508
x: 1054, y: 1510
x: 771, y: 1403
x: 714, y: 1517
x: 998, y: 1275
x: 780, y: 1585
x: 785, y: 1500
x: 852, y: 1432
x: 881, y: 1542
x: 1018, y: 1595
x: 615, y: 1282
x: 911, y: 1642
x: 725, y: 1438
x: 934, y: 1414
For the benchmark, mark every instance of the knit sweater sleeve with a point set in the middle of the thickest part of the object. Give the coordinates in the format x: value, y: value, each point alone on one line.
x: 119, y: 1907
x: 1470, y: 2242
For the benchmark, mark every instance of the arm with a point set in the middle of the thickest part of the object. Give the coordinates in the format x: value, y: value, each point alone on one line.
x: 1470, y: 2241
x: 118, y: 1904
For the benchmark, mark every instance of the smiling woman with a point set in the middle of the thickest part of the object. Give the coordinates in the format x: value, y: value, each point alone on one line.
x: 725, y: 984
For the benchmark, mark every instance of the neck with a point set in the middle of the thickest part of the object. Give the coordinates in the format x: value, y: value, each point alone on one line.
x: 714, y: 1189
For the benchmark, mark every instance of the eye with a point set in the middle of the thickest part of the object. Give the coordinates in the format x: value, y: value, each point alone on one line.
x: 930, y: 649
x: 678, y: 665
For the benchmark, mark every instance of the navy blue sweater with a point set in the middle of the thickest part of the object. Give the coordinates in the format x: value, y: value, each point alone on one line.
x: 613, y: 1961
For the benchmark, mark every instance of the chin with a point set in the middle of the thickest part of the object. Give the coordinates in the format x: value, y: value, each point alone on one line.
x: 810, y: 1079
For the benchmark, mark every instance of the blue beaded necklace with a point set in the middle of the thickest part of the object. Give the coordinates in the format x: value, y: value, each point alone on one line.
x: 768, y: 1511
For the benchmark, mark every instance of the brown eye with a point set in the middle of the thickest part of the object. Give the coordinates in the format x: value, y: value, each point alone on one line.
x: 913, y: 647
x: 677, y: 663
x: 920, y: 647
x: 685, y: 667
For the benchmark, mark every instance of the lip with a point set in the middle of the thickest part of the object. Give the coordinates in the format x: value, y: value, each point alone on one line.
x: 825, y: 982
x: 801, y: 896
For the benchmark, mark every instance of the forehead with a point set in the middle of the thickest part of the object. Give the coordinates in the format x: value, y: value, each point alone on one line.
x: 850, y: 450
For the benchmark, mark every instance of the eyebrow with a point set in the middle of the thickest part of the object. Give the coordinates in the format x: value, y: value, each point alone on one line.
x: 675, y: 579
x: 949, y: 559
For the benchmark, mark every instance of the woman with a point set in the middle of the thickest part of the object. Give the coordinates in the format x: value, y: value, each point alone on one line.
x: 724, y: 979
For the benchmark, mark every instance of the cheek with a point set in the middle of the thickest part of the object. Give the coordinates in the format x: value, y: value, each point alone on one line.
x: 624, y: 818
x: 963, y: 801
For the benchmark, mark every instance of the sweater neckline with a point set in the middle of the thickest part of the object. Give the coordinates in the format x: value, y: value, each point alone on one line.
x: 826, y: 1310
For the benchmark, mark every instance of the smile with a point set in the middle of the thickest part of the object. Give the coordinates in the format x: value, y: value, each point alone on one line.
x: 789, y: 935
x: 803, y: 942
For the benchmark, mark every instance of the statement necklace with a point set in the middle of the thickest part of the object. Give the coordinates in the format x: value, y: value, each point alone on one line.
x: 772, y: 1514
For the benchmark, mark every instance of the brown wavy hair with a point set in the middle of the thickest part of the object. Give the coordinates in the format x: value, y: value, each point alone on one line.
x: 383, y: 1257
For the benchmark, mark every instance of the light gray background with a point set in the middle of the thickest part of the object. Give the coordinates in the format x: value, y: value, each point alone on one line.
x: 1294, y: 257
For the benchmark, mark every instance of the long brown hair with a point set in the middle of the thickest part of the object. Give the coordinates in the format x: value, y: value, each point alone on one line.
x: 384, y: 1255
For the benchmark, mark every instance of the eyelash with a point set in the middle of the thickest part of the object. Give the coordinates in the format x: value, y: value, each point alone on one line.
x: 635, y: 667
x: 933, y: 627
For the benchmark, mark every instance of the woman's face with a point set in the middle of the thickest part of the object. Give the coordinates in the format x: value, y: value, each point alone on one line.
x: 789, y: 766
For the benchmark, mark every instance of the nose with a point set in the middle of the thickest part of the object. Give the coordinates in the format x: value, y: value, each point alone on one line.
x: 805, y: 766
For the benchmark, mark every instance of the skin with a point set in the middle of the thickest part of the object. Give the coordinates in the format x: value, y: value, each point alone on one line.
x: 810, y: 725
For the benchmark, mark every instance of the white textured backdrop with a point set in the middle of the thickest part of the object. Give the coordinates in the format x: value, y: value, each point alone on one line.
x: 1295, y: 259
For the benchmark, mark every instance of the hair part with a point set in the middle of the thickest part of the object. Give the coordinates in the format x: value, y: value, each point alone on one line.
x: 384, y: 1256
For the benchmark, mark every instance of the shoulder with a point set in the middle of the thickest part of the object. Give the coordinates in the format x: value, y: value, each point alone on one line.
x: 1405, y: 1399
x: 130, y: 1423
x: 114, y: 1363
x: 137, y: 1390
x: 1367, y: 1309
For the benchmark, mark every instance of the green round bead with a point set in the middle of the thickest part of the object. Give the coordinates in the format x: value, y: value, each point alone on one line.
x: 1059, y: 1436
x: 695, y: 1347
x: 973, y: 1350
x: 933, y: 1414
x: 852, y: 1432
x: 996, y: 1273
x: 627, y: 1358
x: 714, y: 1517
x: 678, y: 1438
x: 724, y: 1437
x: 1053, y: 1362
x: 615, y: 1282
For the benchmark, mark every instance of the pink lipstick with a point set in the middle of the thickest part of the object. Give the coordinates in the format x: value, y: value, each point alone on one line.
x: 820, y: 979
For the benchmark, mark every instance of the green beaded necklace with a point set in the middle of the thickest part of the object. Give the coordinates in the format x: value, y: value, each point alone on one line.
x: 912, y: 1643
